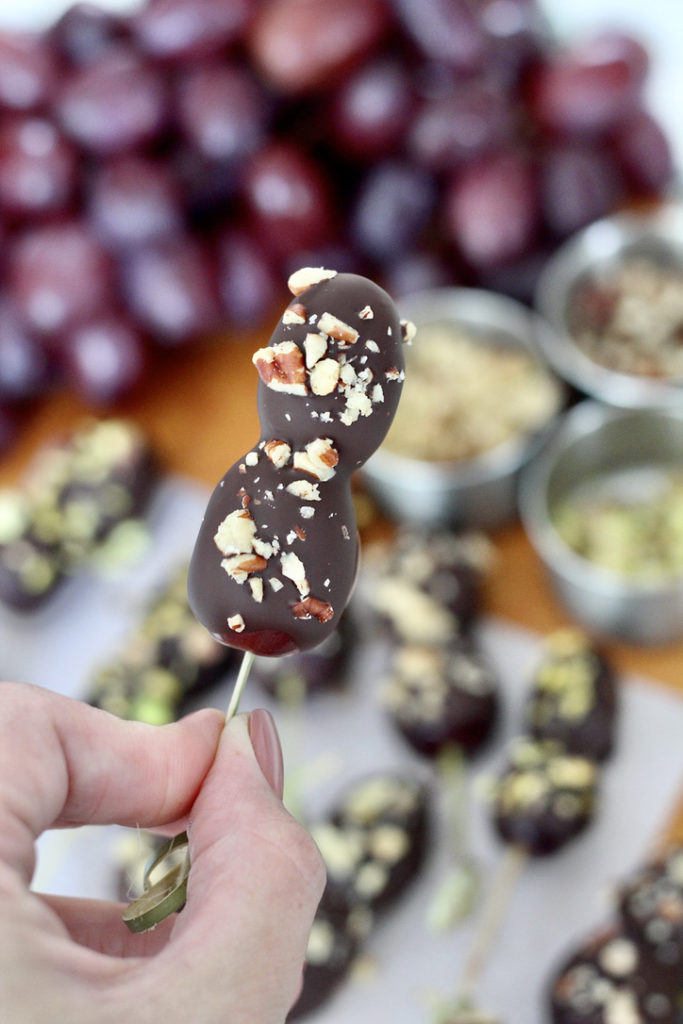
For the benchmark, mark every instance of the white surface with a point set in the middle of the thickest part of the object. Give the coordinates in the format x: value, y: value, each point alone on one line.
x: 557, y: 899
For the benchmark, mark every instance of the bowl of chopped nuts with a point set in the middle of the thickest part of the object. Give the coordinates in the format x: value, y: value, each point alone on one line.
x: 602, y: 504
x: 477, y: 402
x: 613, y: 298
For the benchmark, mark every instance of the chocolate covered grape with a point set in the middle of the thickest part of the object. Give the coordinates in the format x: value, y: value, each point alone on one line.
x: 276, y: 556
x: 544, y: 797
x: 574, y: 696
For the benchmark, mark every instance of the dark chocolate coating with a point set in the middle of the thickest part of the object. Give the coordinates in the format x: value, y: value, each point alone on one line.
x: 574, y: 696
x: 439, y: 696
x: 608, y: 980
x: 545, y: 796
x: 315, y: 520
x: 651, y: 912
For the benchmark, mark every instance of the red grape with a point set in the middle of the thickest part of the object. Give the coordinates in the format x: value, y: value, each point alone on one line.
x: 392, y: 209
x: 27, y: 71
x: 644, y: 153
x: 492, y: 209
x: 58, y: 276
x: 190, y: 29
x: 288, y: 199
x: 170, y: 291
x: 134, y: 200
x: 577, y: 184
x: 591, y: 88
x: 303, y: 45
x: 460, y: 127
x: 371, y: 111
x: 103, y: 359
x: 447, y: 31
x: 23, y: 362
x: 85, y: 32
x: 222, y: 112
x: 248, y: 285
x: 114, y: 105
x: 37, y: 168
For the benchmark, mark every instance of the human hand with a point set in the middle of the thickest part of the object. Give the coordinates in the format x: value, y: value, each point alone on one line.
x: 235, y: 953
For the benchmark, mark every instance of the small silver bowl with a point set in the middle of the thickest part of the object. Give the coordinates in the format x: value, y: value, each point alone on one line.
x: 480, y: 490
x: 604, y: 246
x: 631, y: 447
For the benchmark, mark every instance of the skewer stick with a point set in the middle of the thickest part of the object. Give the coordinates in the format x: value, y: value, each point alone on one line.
x: 488, y: 927
x: 240, y: 683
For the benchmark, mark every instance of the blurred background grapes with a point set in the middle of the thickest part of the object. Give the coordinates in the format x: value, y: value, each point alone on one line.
x: 165, y: 164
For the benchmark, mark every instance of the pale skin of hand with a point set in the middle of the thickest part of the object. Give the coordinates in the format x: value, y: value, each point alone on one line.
x: 235, y: 953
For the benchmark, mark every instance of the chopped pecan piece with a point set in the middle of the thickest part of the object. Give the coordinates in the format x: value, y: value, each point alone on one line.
x: 281, y: 367
x: 336, y: 328
x: 306, y: 277
x: 279, y: 452
x: 313, y: 607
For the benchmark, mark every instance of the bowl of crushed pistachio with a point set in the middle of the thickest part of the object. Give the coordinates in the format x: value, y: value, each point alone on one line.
x: 603, y: 506
x: 477, y: 401
x: 613, y: 298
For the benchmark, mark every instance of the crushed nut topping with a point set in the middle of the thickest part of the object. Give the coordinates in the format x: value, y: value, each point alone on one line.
x: 238, y: 567
x: 319, y: 459
x: 235, y: 535
x: 313, y: 607
x: 279, y: 452
x: 281, y: 367
x: 236, y: 623
x: 293, y: 569
x: 336, y: 328
x: 315, y: 347
x: 366, y: 313
x: 306, y: 277
x: 408, y: 330
x: 304, y: 489
x: 324, y: 377
x: 292, y: 315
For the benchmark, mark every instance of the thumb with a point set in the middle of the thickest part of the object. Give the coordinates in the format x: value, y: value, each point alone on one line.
x: 256, y: 876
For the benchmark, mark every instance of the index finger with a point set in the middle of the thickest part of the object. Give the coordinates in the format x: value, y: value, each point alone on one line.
x: 65, y: 763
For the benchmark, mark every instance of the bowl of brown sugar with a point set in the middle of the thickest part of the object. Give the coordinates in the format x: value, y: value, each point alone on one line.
x: 477, y: 402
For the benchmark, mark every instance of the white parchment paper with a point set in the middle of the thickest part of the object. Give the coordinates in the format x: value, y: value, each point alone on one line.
x: 342, y: 735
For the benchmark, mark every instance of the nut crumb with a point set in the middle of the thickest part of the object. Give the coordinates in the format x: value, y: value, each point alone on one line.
x: 306, y: 277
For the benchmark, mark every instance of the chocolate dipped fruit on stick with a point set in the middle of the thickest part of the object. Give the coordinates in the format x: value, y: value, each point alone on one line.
x: 277, y: 554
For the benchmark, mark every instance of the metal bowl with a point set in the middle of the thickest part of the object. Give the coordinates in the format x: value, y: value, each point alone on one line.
x: 657, y: 236
x: 479, y: 490
x: 594, y: 441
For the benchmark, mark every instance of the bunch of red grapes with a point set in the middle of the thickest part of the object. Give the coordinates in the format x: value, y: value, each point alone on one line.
x: 162, y: 173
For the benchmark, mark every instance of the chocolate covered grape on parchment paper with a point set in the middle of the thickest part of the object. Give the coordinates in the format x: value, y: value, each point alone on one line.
x: 546, y: 793
x: 276, y: 557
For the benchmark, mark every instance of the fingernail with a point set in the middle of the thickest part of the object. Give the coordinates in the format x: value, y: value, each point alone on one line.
x: 266, y: 744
